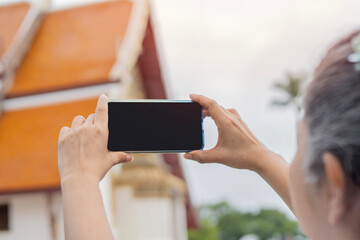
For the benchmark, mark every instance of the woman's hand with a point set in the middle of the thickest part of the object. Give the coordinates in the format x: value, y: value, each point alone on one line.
x: 83, y: 147
x: 236, y: 147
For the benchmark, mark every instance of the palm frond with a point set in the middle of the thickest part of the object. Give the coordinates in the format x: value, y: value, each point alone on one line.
x: 291, y: 87
x: 281, y: 102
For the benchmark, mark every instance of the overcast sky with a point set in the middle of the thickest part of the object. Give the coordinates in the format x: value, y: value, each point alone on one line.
x: 233, y: 51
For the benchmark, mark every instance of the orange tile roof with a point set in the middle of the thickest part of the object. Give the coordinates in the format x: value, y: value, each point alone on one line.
x: 28, y: 145
x: 11, y: 17
x: 74, y: 47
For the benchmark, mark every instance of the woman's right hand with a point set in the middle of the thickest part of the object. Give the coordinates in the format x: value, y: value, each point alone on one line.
x: 236, y: 147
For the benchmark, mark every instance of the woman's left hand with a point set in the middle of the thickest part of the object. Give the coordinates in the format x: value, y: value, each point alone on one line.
x: 82, y: 149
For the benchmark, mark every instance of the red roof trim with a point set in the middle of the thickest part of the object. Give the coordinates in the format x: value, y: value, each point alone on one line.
x: 150, y: 67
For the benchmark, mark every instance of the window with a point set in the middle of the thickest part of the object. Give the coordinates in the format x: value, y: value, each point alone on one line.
x: 4, y: 217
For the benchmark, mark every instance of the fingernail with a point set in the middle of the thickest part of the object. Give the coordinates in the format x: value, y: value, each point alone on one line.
x: 128, y: 158
x: 188, y: 156
x: 103, y: 96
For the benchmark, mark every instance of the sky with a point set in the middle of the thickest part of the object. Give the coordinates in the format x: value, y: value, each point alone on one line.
x: 233, y: 51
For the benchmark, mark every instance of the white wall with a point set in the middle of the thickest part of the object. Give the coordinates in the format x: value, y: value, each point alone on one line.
x: 57, y: 207
x: 180, y: 218
x: 151, y: 218
x: 29, y: 216
x: 105, y: 189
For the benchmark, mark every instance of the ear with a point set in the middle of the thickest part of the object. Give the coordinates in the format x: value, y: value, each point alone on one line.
x: 336, y: 181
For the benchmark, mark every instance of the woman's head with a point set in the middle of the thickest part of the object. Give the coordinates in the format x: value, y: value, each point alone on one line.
x: 332, y: 113
x: 325, y: 174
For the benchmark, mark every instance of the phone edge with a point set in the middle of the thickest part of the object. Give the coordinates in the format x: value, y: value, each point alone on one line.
x: 165, y: 101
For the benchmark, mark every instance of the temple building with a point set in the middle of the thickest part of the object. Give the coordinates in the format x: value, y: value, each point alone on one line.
x: 54, y: 65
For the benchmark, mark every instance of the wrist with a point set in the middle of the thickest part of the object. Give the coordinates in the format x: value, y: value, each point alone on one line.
x: 267, y: 160
x: 79, y: 179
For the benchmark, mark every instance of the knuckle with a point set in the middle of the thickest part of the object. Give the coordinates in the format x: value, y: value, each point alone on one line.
x: 212, y: 103
x: 200, y: 159
x: 113, y: 160
x: 122, y: 158
x: 234, y: 123
x: 61, y: 141
x: 100, y: 109
x: 91, y: 116
x: 81, y: 129
x: 117, y: 159
x: 63, y: 130
x: 78, y: 117
x: 69, y: 135
x: 98, y: 131
x: 64, y: 138
x: 228, y: 121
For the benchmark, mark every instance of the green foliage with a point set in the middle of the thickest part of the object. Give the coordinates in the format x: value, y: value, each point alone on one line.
x: 207, y: 230
x: 291, y: 88
x: 224, y: 222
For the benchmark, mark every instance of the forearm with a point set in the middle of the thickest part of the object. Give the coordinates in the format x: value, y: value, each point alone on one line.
x: 84, y: 213
x: 274, y: 169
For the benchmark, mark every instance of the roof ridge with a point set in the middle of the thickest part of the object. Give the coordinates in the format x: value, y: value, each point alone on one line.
x: 58, y: 96
x: 19, y: 46
x: 80, y: 4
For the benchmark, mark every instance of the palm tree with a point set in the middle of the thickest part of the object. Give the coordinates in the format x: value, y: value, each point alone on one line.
x: 291, y: 88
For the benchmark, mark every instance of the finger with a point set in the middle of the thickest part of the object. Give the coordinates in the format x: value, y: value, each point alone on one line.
x: 201, y: 156
x: 245, y: 127
x: 243, y: 124
x: 101, y: 111
x: 214, y: 109
x: 120, y: 157
x: 63, y: 131
x: 233, y: 111
x: 90, y: 119
x: 206, y: 113
x: 77, y: 121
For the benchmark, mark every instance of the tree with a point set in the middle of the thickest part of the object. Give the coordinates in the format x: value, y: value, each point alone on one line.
x: 291, y: 88
x: 207, y: 230
x: 233, y: 224
x: 273, y: 221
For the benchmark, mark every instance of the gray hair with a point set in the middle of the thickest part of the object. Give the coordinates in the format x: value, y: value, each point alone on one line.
x: 332, y: 114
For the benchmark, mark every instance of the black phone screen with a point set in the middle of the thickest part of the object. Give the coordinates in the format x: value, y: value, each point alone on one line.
x: 159, y: 126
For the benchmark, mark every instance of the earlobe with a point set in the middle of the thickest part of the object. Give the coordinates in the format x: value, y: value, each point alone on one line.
x: 336, y: 184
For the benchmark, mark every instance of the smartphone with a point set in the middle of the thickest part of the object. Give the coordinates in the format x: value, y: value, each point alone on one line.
x: 155, y: 126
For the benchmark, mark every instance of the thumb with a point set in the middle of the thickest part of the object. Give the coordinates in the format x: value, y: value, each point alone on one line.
x: 120, y: 157
x: 201, y: 156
